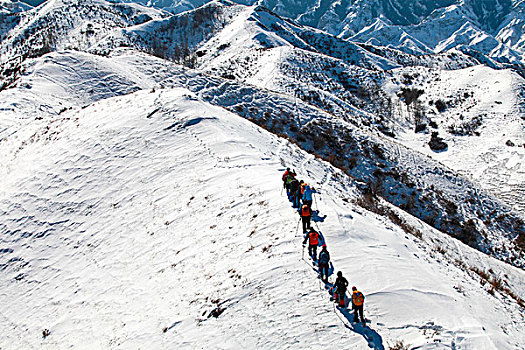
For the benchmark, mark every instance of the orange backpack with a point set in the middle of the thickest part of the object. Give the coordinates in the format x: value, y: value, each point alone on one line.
x: 303, y: 185
x: 358, y: 298
x: 305, y: 211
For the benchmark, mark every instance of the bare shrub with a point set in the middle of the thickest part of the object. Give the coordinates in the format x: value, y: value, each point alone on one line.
x: 399, y: 345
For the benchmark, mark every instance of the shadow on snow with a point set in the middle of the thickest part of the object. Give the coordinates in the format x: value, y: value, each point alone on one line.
x: 374, y: 340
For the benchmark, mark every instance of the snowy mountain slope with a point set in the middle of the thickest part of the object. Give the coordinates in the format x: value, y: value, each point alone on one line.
x: 132, y: 208
x: 431, y: 22
x: 9, y: 7
x: 477, y: 111
x: 416, y: 26
x: 9, y: 17
x: 60, y: 24
x: 263, y: 59
x: 491, y: 227
x: 452, y: 29
x: 177, y: 37
x: 419, y: 185
x: 144, y: 212
x: 33, y: 2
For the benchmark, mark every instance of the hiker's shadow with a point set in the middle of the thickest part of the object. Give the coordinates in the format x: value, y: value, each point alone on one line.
x: 374, y: 340
x: 316, y: 217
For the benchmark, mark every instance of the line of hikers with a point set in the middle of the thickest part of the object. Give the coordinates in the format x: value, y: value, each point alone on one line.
x: 301, y: 196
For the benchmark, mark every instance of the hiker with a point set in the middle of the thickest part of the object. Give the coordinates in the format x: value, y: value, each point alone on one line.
x: 285, y: 175
x: 306, y: 215
x: 324, y: 261
x: 294, y: 185
x: 307, y: 196
x: 358, y: 300
x: 340, y: 289
x: 313, y: 237
x: 288, y: 182
x: 298, y: 195
x: 303, y: 185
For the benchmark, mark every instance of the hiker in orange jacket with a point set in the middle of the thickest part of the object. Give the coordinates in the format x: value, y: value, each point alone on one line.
x: 306, y: 215
x: 313, y: 237
x: 358, y: 300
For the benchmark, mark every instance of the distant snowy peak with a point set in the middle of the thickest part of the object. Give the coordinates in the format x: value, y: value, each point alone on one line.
x: 8, y: 6
x: 380, y: 32
x: 66, y: 24
x: 491, y: 28
x: 494, y: 28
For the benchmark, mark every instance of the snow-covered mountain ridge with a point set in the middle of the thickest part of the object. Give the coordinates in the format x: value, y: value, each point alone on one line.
x: 117, y: 233
x: 96, y: 121
x: 365, y: 102
x: 492, y: 28
x: 395, y: 160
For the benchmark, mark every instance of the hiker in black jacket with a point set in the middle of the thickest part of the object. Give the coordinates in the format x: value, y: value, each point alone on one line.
x: 294, y: 185
x: 340, y: 289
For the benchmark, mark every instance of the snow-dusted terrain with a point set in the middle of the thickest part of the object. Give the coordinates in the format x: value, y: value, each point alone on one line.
x: 142, y: 153
x: 493, y: 28
x: 484, y: 112
x: 145, y: 211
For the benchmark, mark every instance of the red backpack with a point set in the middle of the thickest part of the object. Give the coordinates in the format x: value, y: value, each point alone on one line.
x: 314, y: 238
x: 305, y: 211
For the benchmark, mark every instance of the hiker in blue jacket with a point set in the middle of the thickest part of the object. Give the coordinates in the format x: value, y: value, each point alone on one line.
x: 324, y: 261
x: 307, y: 196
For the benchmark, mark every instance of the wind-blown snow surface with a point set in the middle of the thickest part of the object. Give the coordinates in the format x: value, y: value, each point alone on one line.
x: 144, y: 211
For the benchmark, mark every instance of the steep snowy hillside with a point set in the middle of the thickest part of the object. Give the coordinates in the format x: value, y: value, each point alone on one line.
x: 61, y: 24
x: 9, y: 7
x: 492, y: 28
x: 347, y: 112
x: 479, y: 113
x: 141, y: 202
x: 417, y: 184
x: 126, y: 223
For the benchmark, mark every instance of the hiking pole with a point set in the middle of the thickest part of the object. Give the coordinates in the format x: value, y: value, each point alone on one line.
x: 316, y: 206
x: 297, y: 228
x: 302, y: 254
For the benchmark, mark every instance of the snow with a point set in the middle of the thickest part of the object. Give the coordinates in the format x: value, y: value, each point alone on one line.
x: 143, y: 210
x: 131, y: 207
x: 486, y: 159
x: 324, y: 95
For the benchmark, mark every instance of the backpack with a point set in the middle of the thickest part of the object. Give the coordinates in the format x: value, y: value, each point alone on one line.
x: 307, y: 194
x: 314, y: 238
x: 305, y: 211
x: 303, y: 185
x: 323, y: 257
x: 358, y: 298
